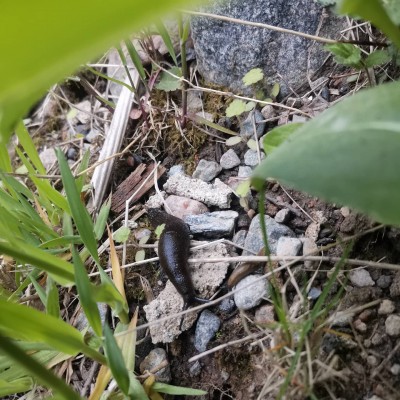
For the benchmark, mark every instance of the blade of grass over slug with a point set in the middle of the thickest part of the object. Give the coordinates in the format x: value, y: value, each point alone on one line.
x: 61, y: 271
x: 162, y: 30
x: 137, y: 62
x: 115, y: 360
x: 26, y: 323
x: 85, y: 290
x: 44, y: 375
x: 79, y: 212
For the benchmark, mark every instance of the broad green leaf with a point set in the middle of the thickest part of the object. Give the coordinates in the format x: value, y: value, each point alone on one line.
x: 85, y: 291
x: 43, y: 374
x: 236, y: 108
x: 346, y: 54
x: 372, y: 10
x: 177, y: 390
x: 26, y: 323
x: 378, y: 57
x: 79, y: 212
x: 278, y: 135
x: 232, y: 141
x: 169, y: 83
x: 121, y: 235
x: 60, y: 270
x: 393, y: 10
x: 253, y: 76
x: 42, y: 34
x: 347, y: 155
x: 115, y: 360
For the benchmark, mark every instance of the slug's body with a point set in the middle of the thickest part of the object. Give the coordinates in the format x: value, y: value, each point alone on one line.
x: 173, y: 251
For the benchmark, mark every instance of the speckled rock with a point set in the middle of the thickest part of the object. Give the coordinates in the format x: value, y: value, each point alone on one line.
x: 361, y: 278
x: 288, y: 246
x: 226, y: 51
x: 153, y: 360
x: 207, y: 170
x: 251, y: 157
x: 247, y: 128
x: 182, y: 206
x: 229, y: 160
x: 252, y: 290
x: 244, y: 171
x: 206, y: 328
x: 282, y: 216
x: 392, y: 325
x: 386, y: 307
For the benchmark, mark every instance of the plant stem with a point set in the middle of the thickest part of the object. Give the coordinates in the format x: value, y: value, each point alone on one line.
x: 185, y: 73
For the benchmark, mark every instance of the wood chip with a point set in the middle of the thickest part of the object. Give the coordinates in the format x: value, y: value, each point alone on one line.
x: 131, y: 184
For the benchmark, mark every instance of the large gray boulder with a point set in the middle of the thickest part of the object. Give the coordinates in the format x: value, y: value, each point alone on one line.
x: 226, y: 51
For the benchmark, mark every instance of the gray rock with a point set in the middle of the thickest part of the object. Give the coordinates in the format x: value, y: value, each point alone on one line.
x: 254, y: 242
x: 268, y: 111
x: 247, y: 128
x: 392, y: 325
x: 386, y: 307
x: 299, y: 118
x: 48, y: 158
x: 72, y: 154
x: 251, y: 157
x: 195, y: 369
x: 251, y: 294
x: 176, y: 170
x: 361, y: 278
x: 395, y: 369
x: 384, y: 281
x: 227, y: 305
x: 309, y: 247
x: 213, y: 224
x: 282, y: 216
x: 153, y: 360
x: 216, y: 194
x: 395, y: 286
x: 207, y: 170
x: 227, y: 51
x: 240, y: 237
x: 264, y: 315
x: 229, y: 159
x: 206, y: 328
x: 314, y: 293
x: 92, y: 135
x: 288, y: 246
x: 244, y: 172
x: 194, y: 101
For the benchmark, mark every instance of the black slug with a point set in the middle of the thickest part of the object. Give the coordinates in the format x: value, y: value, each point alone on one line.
x: 173, y: 251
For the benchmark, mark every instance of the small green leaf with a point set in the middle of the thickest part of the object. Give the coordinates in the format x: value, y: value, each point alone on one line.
x: 250, y: 105
x: 52, y: 298
x: 378, y: 57
x: 278, y: 135
x: 346, y: 54
x: 236, y: 108
x: 121, y: 235
x: 234, y: 140
x: 253, y: 76
x: 116, y: 361
x: 169, y: 83
x: 177, y: 390
x: 252, y: 144
x: 243, y: 189
x: 275, y: 90
x: 140, y: 255
x: 159, y: 230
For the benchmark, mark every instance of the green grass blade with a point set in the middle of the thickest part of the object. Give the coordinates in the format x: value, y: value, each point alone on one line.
x: 38, y: 370
x: 98, y: 73
x: 137, y: 62
x: 5, y: 162
x: 177, y: 390
x: 29, y: 147
x: 79, y: 212
x: 61, y: 270
x: 167, y: 40
x: 85, y: 290
x: 115, y: 360
x: 80, y: 181
x: 39, y: 290
x: 52, y: 298
x: 101, y: 220
x: 16, y: 386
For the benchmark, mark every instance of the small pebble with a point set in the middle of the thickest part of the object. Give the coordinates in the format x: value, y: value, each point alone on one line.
x: 372, y: 361
x: 206, y: 328
x: 386, y: 307
x: 264, y: 315
x: 395, y: 369
x: 287, y: 247
x: 195, y: 369
x: 360, y: 326
x: 251, y: 157
x: 244, y: 172
x: 283, y: 216
x: 314, y: 293
x: 229, y: 160
x: 384, y: 281
x: 227, y: 305
x: 153, y: 360
x: 247, y: 128
x: 268, y: 111
x: 361, y: 278
x: 392, y: 325
x: 176, y: 170
x: 183, y: 206
x: 251, y: 295
x: 345, y: 211
x: 240, y: 237
x: 207, y: 170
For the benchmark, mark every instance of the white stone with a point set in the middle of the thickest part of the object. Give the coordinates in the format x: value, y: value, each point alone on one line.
x: 392, y: 325
x: 361, y: 278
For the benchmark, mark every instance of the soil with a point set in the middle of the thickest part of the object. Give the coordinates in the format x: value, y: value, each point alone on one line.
x: 355, y: 360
